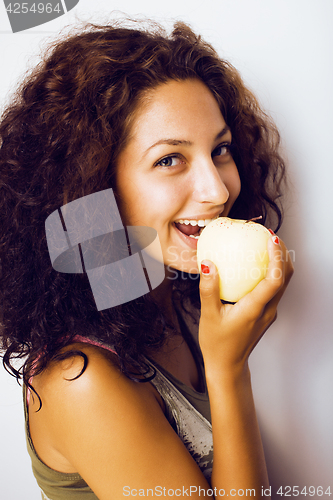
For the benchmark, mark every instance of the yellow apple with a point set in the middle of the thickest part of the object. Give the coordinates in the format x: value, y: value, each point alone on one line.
x: 238, y: 248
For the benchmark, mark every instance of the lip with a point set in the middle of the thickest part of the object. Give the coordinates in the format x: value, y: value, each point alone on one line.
x: 201, y: 216
x: 191, y: 242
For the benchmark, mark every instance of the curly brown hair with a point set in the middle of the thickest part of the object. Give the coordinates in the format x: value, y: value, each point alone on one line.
x: 61, y: 138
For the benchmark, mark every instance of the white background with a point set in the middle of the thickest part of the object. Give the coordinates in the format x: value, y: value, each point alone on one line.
x: 283, y: 49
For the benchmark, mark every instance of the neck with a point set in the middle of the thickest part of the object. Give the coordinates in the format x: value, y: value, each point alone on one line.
x: 175, y: 355
x: 163, y: 298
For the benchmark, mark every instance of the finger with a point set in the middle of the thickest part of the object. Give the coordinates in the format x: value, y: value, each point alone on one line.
x: 268, y: 288
x: 289, y: 268
x: 275, y: 274
x: 209, y: 289
x: 288, y: 272
x: 278, y: 262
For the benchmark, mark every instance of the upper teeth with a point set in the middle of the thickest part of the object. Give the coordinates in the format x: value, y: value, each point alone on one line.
x: 200, y: 222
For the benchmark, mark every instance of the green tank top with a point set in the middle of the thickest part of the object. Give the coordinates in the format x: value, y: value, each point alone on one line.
x: 187, y: 411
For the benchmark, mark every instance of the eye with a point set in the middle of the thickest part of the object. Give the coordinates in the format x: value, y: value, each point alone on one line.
x: 169, y: 161
x: 223, y: 150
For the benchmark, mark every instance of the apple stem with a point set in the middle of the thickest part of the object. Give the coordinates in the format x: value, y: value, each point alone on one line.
x: 254, y: 218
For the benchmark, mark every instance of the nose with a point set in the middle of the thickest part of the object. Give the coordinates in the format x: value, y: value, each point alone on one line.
x: 207, y: 183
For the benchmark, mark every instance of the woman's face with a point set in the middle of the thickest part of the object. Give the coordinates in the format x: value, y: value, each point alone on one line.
x: 176, y: 172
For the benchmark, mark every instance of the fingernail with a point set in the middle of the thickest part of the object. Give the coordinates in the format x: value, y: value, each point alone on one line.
x: 205, y: 269
x: 271, y: 231
x: 276, y: 240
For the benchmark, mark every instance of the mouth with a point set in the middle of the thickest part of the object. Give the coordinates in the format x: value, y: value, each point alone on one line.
x: 192, y: 227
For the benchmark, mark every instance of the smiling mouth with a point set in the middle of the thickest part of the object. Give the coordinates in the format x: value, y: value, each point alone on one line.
x: 192, y: 228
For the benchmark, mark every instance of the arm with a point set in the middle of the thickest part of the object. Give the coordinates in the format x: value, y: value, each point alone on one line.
x: 227, y: 335
x: 114, y: 433
x: 111, y: 430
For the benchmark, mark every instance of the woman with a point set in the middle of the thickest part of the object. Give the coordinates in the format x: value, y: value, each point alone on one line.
x: 118, y: 400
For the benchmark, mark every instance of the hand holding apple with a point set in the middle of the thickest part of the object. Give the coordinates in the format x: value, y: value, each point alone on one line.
x: 238, y: 248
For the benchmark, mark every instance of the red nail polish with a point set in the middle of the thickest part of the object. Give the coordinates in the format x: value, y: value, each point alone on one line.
x: 271, y: 231
x: 204, y: 269
x: 276, y: 240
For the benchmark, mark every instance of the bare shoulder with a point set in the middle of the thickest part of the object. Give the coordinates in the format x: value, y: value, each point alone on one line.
x: 109, y: 428
x: 88, y: 373
x: 72, y: 391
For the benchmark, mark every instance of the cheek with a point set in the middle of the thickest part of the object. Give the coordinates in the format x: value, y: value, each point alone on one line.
x: 233, y: 183
x: 142, y: 202
x: 132, y: 189
x: 237, y: 187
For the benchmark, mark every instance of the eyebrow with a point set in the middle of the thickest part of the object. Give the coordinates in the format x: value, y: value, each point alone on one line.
x: 178, y: 142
